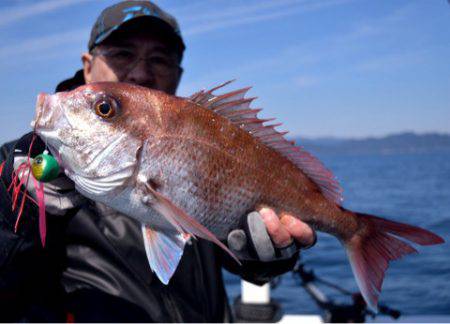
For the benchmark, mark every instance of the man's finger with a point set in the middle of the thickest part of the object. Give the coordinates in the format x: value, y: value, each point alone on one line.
x: 300, y: 231
x: 278, y: 233
x: 237, y: 240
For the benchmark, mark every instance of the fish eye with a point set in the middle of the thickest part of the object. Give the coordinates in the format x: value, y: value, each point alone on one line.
x: 106, y: 107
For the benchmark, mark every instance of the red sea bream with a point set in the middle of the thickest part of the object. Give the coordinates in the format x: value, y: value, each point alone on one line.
x: 195, y: 166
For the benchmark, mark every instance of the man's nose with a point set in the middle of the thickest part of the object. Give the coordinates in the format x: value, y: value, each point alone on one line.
x: 141, y: 74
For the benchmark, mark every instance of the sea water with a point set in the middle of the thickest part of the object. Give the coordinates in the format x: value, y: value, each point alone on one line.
x: 412, y: 188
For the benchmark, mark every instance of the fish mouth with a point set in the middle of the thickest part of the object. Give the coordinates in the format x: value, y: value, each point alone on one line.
x: 41, y: 107
x: 48, y: 112
x: 44, y: 122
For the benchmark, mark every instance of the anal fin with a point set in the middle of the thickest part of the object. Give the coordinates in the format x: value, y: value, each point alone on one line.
x: 164, y: 251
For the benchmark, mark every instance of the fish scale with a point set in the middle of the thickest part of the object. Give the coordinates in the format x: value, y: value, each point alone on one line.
x: 196, y: 166
x: 213, y: 203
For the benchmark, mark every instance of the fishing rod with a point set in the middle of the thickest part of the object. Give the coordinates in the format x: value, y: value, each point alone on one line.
x: 333, y: 311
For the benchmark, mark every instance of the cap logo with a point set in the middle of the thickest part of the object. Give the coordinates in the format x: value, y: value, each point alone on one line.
x: 130, y: 12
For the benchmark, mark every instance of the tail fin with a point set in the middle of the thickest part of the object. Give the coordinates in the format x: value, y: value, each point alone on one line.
x: 371, y: 249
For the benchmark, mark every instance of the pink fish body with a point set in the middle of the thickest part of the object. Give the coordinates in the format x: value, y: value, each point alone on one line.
x: 197, y: 165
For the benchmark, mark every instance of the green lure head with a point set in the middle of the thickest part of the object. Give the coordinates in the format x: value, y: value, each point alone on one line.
x: 44, y: 167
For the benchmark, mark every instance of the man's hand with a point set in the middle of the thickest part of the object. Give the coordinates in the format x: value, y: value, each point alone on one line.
x: 267, y: 237
x: 285, y: 229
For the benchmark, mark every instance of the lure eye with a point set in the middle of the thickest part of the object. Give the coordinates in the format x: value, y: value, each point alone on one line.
x: 106, y: 108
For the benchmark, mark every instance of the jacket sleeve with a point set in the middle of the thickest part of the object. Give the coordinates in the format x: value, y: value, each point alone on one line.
x: 12, y: 242
x: 19, y: 251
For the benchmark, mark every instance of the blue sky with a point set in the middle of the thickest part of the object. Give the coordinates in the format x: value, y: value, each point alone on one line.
x: 347, y: 68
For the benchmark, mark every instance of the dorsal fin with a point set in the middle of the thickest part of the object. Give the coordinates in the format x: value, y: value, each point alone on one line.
x: 234, y: 106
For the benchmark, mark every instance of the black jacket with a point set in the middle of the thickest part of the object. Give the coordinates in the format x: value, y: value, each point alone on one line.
x: 94, y: 267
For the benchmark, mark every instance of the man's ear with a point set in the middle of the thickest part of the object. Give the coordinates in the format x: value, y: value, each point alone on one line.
x: 180, y: 74
x: 87, y: 58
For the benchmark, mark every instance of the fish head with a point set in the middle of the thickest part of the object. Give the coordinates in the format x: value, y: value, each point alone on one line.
x: 96, y: 132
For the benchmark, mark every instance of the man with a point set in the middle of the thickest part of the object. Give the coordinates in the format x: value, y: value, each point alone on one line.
x: 94, y: 267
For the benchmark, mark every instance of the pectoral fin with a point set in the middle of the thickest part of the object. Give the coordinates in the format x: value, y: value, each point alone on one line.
x: 182, y: 222
x: 163, y: 251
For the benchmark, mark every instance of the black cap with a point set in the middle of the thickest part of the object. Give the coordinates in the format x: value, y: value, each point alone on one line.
x: 116, y: 15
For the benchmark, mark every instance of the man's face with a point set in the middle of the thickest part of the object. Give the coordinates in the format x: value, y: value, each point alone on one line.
x: 136, y: 57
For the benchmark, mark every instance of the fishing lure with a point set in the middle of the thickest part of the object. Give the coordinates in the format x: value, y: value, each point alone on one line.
x: 43, y: 168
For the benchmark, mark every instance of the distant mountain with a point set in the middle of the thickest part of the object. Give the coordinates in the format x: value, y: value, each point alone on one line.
x: 391, y: 144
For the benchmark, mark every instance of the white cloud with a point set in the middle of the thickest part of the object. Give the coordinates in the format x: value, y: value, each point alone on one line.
x: 304, y: 81
x: 16, y: 13
x: 39, y: 44
x: 210, y: 20
x: 309, y: 58
x: 236, y: 10
x: 390, y: 61
x: 253, y: 14
x: 372, y: 27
